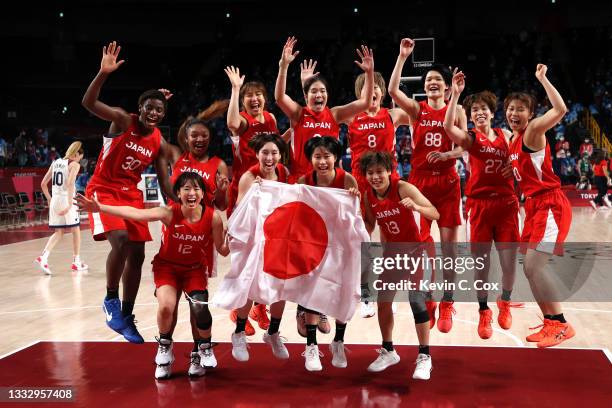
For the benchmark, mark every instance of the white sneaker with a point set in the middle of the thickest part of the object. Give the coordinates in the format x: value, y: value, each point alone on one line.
x: 207, y: 356
x: 312, y: 355
x: 163, y: 371
x: 423, y: 367
x: 195, y: 369
x: 43, y: 266
x: 384, y: 360
x: 239, y: 347
x: 607, y: 202
x: 164, y: 352
x: 278, y: 348
x: 367, y: 309
x: 79, y: 266
x: 593, y: 204
x: 338, y: 354
x: 394, y: 307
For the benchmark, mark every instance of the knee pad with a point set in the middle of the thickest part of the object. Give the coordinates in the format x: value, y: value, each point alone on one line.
x: 417, y: 304
x: 198, y: 303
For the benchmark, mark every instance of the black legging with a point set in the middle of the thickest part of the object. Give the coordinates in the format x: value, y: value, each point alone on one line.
x: 601, y: 182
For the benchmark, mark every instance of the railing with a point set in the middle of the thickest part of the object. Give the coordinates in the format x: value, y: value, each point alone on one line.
x: 599, y: 137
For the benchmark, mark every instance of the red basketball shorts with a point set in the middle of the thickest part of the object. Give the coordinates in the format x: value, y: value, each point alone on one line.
x: 180, y: 277
x: 492, y: 219
x: 548, y: 217
x: 443, y: 190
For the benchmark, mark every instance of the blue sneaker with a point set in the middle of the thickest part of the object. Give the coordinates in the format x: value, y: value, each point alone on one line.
x: 114, y: 318
x: 131, y: 332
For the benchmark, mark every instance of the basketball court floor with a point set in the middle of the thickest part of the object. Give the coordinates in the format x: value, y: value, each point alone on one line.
x: 54, y: 334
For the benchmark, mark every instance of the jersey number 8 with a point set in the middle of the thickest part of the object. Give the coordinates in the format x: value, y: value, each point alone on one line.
x: 433, y: 139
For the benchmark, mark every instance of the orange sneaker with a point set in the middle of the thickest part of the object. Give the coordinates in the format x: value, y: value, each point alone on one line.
x: 538, y: 336
x: 249, y: 330
x: 505, y: 317
x: 556, y: 333
x: 259, y: 313
x: 431, y: 305
x: 484, y: 324
x: 445, y: 320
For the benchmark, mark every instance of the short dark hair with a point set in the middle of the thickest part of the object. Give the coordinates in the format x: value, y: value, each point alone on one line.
x: 308, y: 83
x: 153, y: 94
x: 260, y: 140
x: 442, y: 69
x: 374, y: 159
x: 186, y: 177
x: 524, y: 97
x: 327, y: 142
x: 486, y: 97
x: 252, y: 86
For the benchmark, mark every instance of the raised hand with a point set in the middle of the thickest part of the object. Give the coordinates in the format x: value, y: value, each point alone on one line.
x: 222, y: 182
x: 307, y: 69
x: 109, y: 61
x: 406, y: 47
x: 367, y: 59
x: 233, y: 73
x: 89, y: 205
x: 541, y: 72
x: 288, y: 55
x: 166, y: 92
x: 458, y: 81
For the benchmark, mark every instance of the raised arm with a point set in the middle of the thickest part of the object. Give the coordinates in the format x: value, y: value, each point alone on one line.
x: 91, y: 102
x: 44, y: 184
x: 289, y: 107
x: 219, y: 235
x: 163, y: 214
x: 246, y: 180
x: 168, y: 154
x: 222, y: 181
x: 368, y: 217
x: 235, y: 122
x: 413, y: 199
x: 535, y: 137
x: 409, y: 105
x: 459, y: 136
x: 344, y: 113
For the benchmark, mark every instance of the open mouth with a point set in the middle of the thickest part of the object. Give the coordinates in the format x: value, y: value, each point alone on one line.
x: 191, y: 201
x: 514, y: 122
x: 255, y: 105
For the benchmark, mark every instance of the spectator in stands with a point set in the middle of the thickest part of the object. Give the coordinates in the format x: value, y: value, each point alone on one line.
x: 404, y: 168
x: 585, y: 172
x: 561, y: 144
x: 52, y: 154
x: 3, y: 151
x: 21, y: 149
x: 587, y: 147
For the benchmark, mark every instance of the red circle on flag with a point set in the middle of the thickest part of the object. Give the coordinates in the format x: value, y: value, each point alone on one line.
x: 296, y: 240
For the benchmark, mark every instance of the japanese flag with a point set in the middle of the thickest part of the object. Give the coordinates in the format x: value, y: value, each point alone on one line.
x: 296, y: 243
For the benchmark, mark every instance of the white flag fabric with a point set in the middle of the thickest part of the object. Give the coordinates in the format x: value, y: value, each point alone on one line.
x: 297, y: 243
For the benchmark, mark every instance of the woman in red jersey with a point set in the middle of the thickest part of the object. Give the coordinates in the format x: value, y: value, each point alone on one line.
x: 268, y: 148
x: 324, y: 152
x: 601, y: 176
x: 433, y: 165
x: 316, y: 118
x: 131, y: 144
x: 179, y: 265
x: 245, y: 124
x: 396, y: 207
x: 548, y: 213
x: 492, y: 205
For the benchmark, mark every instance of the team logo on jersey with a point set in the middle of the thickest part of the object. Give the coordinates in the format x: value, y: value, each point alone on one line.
x: 189, y: 237
x: 431, y: 123
x: 375, y: 125
x: 202, y: 174
x: 387, y: 213
x: 493, y: 151
x: 482, y: 139
x: 139, y: 149
x: 317, y: 125
x: 425, y: 113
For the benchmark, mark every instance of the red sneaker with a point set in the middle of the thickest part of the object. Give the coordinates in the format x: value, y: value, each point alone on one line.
x: 431, y: 305
x: 539, y: 335
x: 259, y: 313
x: 505, y: 317
x: 484, y: 324
x: 445, y: 321
x: 249, y: 330
x: 556, y: 333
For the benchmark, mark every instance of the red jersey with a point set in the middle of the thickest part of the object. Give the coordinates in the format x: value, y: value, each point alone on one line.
x: 486, y: 161
x: 532, y: 170
x: 371, y: 133
x: 396, y: 222
x: 183, y: 243
x: 124, y: 158
x: 428, y: 135
x: 244, y: 156
x: 337, y: 182
x: 598, y: 169
x: 310, y: 125
x: 281, y: 172
x: 206, y: 170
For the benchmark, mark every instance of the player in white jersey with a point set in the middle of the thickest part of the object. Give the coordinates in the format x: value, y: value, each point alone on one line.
x: 63, y: 213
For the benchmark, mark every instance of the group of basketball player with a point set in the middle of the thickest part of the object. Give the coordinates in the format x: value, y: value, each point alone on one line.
x: 193, y: 233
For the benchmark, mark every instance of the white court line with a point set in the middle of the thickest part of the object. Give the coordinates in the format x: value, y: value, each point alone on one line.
x: 19, y: 349
x: 607, y: 353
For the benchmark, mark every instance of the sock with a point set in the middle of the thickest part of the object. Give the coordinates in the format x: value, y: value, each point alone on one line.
x: 340, y: 328
x: 448, y: 296
x: 44, y: 257
x: 428, y: 296
x: 482, y: 303
x: 76, y: 259
x: 127, y: 308
x: 274, y: 325
x: 240, y: 324
x: 506, y: 295
x: 196, y: 346
x: 388, y: 345
x: 558, y: 318
x: 165, y: 336
x: 423, y: 349
x: 311, y: 334
x: 548, y: 317
x: 112, y: 293
x: 206, y: 341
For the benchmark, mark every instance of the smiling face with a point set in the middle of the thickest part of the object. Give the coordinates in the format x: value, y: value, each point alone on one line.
x: 198, y: 139
x: 481, y: 114
x: 378, y: 177
x: 518, y: 115
x: 434, y: 85
x: 191, y: 194
x: 253, y: 100
x: 268, y: 156
x: 152, y: 112
x: 316, y: 96
x: 323, y: 161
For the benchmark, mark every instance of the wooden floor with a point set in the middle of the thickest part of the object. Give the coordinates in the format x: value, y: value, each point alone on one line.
x: 67, y: 306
